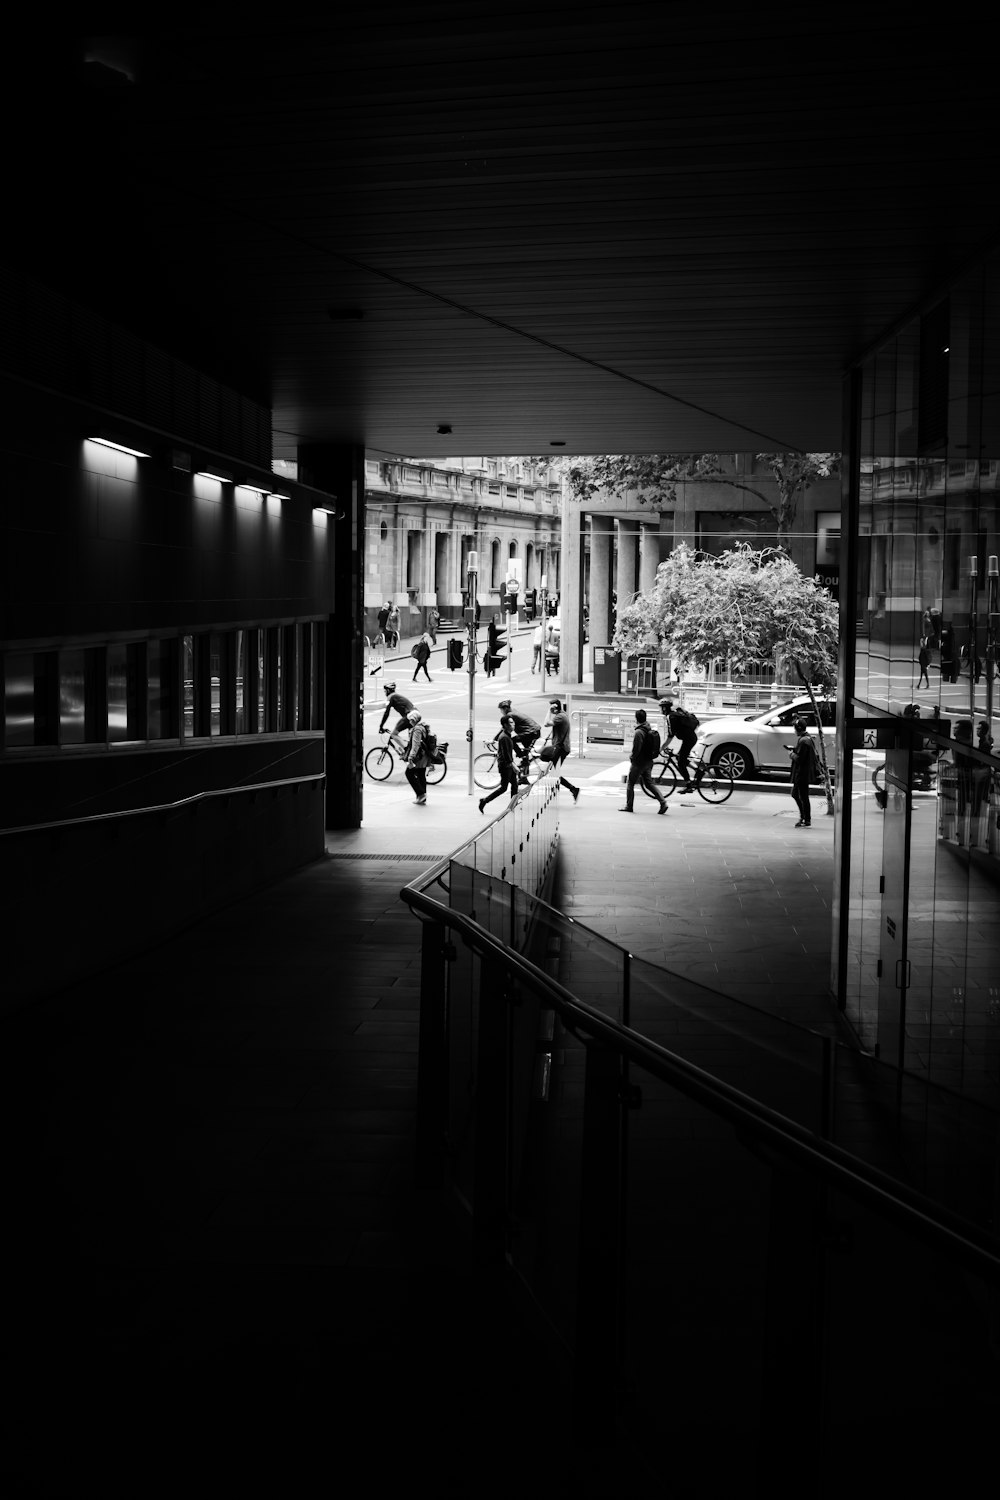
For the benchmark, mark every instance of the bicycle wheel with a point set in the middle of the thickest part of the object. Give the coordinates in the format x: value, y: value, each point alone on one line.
x: 436, y: 772
x: 713, y: 783
x: 379, y: 762
x: 664, y: 773
x: 485, y: 773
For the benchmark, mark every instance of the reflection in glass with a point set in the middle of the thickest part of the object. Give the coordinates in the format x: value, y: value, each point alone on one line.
x: 160, y: 690
x: 19, y: 699
x: 72, y: 698
x: 187, y: 673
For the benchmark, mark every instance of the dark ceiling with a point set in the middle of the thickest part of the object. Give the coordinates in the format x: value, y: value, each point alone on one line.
x: 629, y: 228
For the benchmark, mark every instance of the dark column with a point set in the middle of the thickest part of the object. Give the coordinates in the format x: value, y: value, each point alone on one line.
x: 338, y: 472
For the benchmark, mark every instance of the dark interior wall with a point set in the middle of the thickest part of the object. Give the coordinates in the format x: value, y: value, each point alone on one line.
x: 95, y: 543
x: 96, y: 547
x: 78, y: 900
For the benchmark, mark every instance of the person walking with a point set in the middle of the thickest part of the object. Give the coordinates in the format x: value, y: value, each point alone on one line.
x: 526, y: 731
x: 949, y: 655
x: 420, y: 651
x: 383, y: 618
x: 398, y: 703
x: 491, y: 646
x: 433, y: 621
x: 505, y: 764
x: 392, y: 626
x: 680, y: 725
x: 804, y: 771
x: 640, y: 764
x: 537, y: 642
x: 417, y: 759
x: 558, y: 725
x: 923, y: 661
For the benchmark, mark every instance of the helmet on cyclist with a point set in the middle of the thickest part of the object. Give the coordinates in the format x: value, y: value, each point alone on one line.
x: 390, y: 687
x: 413, y: 717
x: 504, y: 704
x: 666, y: 704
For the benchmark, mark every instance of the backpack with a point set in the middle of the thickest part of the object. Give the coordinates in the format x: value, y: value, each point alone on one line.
x: 652, y: 742
x: 431, y: 748
x: 413, y: 650
x: 688, y: 721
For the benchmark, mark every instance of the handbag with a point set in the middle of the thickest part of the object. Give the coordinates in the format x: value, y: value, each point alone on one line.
x: 547, y: 752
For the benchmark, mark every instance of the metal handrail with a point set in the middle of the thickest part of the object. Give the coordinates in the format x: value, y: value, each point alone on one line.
x: 166, y: 807
x: 841, y: 1170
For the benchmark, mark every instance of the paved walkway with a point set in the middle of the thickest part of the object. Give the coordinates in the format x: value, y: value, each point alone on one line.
x: 219, y: 1274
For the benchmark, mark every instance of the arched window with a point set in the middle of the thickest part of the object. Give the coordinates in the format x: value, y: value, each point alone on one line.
x: 512, y: 550
x: 383, y: 531
x: 495, y: 579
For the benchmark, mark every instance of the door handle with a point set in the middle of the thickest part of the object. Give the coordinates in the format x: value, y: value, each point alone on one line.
x: 905, y: 983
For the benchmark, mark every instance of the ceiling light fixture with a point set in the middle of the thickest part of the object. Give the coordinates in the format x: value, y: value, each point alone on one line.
x: 557, y: 442
x: 218, y: 474
x: 444, y: 427
x: 118, y: 447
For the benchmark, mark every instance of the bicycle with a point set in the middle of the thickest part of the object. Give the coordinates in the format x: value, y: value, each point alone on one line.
x: 486, y: 775
x: 712, y: 783
x: 380, y: 761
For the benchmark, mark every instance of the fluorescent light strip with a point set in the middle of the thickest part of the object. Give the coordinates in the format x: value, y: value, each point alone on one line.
x: 118, y: 447
x: 211, y: 474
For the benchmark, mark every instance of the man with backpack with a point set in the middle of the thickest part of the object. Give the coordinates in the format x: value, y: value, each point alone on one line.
x: 645, y: 748
x: 681, y: 725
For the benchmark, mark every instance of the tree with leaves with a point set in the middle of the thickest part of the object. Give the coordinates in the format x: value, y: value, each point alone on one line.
x: 746, y: 608
x: 655, y: 477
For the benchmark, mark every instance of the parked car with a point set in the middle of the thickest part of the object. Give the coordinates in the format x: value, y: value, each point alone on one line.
x: 757, y: 743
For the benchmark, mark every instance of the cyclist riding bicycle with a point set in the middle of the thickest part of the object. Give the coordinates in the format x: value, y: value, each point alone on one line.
x: 525, y: 731
x: 680, y: 727
x: 401, y: 705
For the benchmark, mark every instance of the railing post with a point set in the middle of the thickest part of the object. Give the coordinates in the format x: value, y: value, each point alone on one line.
x: 432, y: 1056
x: 596, y: 1374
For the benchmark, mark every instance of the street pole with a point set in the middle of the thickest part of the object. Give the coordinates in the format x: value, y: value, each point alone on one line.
x: 992, y: 632
x: 973, y: 631
x: 470, y: 732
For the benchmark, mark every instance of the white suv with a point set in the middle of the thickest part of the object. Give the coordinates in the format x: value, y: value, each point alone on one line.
x: 757, y: 743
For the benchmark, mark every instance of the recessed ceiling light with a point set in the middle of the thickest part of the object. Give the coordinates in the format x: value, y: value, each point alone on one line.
x: 444, y: 427
x: 557, y: 442
x: 119, y: 447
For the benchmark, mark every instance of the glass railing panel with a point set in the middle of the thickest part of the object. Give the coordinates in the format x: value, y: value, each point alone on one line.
x: 462, y: 1016
x: 696, y: 1243
x: 771, y: 1060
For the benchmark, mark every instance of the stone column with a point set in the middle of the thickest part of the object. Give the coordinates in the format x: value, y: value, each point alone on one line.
x: 627, y: 569
x: 601, y: 560
x: 571, y: 593
x: 649, y: 555
x: 339, y: 470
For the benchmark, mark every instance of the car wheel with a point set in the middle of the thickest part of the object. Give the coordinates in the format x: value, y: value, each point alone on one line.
x: 734, y: 761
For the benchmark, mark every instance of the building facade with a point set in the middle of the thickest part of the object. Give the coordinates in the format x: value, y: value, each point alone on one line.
x: 424, y: 518
x: 617, y: 544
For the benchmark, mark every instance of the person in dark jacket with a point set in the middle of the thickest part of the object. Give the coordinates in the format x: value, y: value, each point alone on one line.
x: 679, y: 727
x: 417, y: 759
x: 421, y: 654
x: 398, y: 703
x: 803, y: 772
x: 526, y: 731
x: 433, y: 621
x: 923, y: 661
x: 640, y: 765
x: 558, y: 725
x: 505, y: 764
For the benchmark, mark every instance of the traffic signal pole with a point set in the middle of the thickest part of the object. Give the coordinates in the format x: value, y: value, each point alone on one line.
x: 470, y: 732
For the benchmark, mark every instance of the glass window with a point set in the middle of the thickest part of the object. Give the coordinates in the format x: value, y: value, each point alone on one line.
x: 187, y: 671
x: 161, y: 723
x: 126, y: 673
x: 19, y: 699
x: 72, y: 697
